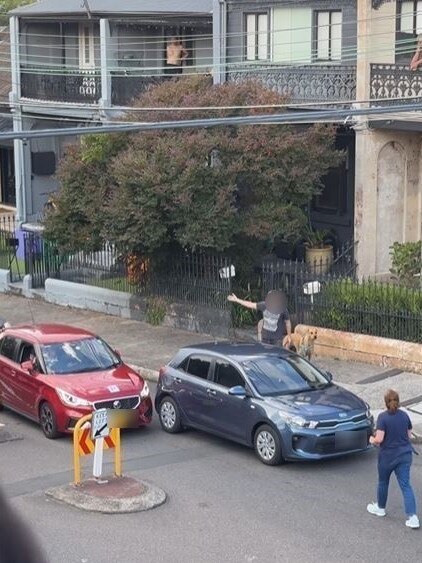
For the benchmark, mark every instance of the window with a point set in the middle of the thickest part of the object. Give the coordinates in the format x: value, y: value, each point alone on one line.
x: 197, y: 366
x: 7, y: 347
x: 257, y: 37
x: 227, y: 375
x: 411, y: 17
x: 272, y: 376
x: 26, y: 352
x: 86, y: 47
x: 328, y: 38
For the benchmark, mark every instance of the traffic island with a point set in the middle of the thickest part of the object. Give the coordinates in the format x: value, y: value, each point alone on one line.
x: 115, y: 495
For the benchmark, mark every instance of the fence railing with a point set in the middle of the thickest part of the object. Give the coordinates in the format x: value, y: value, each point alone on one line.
x: 9, y: 246
x: 193, y: 278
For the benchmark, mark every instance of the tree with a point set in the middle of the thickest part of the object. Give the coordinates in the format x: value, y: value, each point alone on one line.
x: 7, y: 5
x: 194, y: 188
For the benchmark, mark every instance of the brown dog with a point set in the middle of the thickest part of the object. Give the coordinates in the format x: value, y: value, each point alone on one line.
x: 302, y: 343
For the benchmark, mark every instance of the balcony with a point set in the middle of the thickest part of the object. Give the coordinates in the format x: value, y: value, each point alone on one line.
x: 302, y: 84
x: 125, y: 87
x: 64, y: 85
x: 392, y: 84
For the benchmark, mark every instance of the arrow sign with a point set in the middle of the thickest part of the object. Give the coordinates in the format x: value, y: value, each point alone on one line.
x: 99, y: 432
x: 99, y: 424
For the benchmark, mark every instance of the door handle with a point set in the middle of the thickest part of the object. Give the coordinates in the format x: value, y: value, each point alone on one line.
x: 211, y: 392
x: 177, y: 380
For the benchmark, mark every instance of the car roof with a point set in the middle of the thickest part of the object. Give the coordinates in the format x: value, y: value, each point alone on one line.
x: 239, y: 351
x: 48, y: 333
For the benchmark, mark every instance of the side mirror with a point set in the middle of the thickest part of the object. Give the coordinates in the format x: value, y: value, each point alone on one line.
x: 28, y: 366
x: 329, y: 376
x: 238, y: 391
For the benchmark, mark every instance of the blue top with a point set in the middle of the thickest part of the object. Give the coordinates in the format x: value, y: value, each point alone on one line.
x: 396, y: 440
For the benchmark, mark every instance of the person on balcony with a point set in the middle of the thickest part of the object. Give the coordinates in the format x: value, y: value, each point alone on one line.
x: 176, y: 56
x: 416, y: 61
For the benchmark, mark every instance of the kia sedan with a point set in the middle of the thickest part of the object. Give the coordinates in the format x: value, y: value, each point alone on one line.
x: 55, y: 374
x: 263, y: 397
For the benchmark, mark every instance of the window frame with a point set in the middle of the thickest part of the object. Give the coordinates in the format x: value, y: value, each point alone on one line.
x: 414, y: 32
x: 330, y: 13
x: 257, y: 44
x: 16, y: 340
x: 86, y: 45
x: 228, y: 362
x: 202, y: 357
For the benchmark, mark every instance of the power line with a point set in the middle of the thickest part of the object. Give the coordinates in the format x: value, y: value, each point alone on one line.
x: 269, y: 119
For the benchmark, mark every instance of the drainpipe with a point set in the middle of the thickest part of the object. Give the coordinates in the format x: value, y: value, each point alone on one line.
x: 18, y: 145
x: 105, y: 101
x: 219, y: 24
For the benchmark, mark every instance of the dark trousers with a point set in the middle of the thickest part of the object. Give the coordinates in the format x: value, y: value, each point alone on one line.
x: 401, y: 467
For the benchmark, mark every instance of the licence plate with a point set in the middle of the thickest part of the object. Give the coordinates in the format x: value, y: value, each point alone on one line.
x: 351, y: 440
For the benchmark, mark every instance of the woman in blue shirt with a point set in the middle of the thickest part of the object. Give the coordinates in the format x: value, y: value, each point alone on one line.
x: 395, y: 455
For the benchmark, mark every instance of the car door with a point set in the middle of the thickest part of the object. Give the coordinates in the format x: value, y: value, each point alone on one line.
x: 233, y: 417
x: 191, y: 384
x: 27, y: 384
x: 8, y: 370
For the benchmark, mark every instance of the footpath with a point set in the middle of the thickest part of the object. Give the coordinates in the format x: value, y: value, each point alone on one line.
x: 148, y: 348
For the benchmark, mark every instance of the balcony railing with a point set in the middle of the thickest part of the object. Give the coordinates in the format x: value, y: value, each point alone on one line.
x: 313, y: 83
x: 79, y: 86
x: 395, y: 83
x: 125, y: 87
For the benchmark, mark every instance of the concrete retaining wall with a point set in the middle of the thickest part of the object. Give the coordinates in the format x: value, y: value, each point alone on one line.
x: 4, y: 281
x: 384, y: 352
x: 117, y: 303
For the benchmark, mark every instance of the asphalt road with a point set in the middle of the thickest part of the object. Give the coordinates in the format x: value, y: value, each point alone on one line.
x: 223, y: 504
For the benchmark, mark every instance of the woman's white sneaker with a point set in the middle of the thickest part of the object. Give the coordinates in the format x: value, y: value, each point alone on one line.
x: 373, y: 508
x: 413, y: 522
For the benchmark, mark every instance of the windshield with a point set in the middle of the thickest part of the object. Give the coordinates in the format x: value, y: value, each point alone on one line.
x: 272, y: 375
x: 78, y: 356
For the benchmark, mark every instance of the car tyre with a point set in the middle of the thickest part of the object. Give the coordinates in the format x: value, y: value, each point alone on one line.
x: 169, y: 414
x: 267, y: 445
x: 48, y: 421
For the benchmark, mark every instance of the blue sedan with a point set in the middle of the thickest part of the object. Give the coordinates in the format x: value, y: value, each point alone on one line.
x: 264, y: 397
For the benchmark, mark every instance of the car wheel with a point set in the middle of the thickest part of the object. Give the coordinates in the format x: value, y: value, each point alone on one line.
x: 48, y: 421
x: 267, y: 445
x: 170, y: 416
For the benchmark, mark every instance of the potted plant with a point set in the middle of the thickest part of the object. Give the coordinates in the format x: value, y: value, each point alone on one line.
x: 318, y: 254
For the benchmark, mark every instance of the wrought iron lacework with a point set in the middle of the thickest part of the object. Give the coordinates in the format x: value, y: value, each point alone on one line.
x: 306, y: 83
x: 395, y: 81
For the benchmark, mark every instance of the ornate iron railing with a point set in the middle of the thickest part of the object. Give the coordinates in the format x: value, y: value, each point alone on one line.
x: 313, y: 83
x: 125, y: 87
x: 394, y: 83
x: 79, y: 86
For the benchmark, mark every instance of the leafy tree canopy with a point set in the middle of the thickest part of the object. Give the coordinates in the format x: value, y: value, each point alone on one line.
x: 7, y: 5
x: 197, y: 188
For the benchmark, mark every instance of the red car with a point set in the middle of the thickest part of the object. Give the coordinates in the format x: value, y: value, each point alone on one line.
x: 54, y: 374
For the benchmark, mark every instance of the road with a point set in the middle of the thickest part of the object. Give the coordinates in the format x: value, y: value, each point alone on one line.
x: 223, y: 504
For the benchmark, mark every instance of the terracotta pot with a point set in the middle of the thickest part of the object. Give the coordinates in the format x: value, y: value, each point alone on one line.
x: 319, y: 260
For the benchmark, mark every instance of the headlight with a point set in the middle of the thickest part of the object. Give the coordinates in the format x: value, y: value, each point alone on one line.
x: 71, y: 400
x: 299, y: 421
x: 145, y: 391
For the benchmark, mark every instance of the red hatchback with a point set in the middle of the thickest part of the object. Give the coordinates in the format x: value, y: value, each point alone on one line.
x: 54, y: 374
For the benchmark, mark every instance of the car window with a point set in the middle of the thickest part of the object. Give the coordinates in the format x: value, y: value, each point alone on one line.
x: 7, y: 347
x: 272, y: 375
x: 198, y: 366
x: 227, y: 375
x: 26, y: 352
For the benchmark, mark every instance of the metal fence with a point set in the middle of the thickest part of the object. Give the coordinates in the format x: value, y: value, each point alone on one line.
x: 194, y: 278
x: 9, y: 246
x: 332, y: 297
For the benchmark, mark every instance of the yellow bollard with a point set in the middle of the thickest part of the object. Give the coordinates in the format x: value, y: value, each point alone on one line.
x: 76, y: 457
x: 117, y: 453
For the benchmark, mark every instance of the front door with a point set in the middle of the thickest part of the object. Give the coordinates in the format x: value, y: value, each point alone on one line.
x: 7, y: 176
x: 27, y: 384
x: 231, y: 416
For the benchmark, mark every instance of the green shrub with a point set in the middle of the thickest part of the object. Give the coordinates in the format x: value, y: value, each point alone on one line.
x: 156, y: 311
x: 372, y: 308
x: 406, y: 261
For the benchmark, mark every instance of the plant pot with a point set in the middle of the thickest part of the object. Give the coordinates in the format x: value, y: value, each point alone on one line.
x: 319, y: 260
